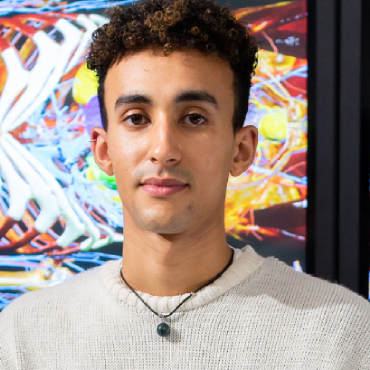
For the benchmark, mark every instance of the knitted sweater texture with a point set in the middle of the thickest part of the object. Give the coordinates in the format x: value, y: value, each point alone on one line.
x: 260, y: 314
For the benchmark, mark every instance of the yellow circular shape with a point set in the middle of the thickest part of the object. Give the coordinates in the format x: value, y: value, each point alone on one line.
x: 90, y: 174
x: 273, y: 125
x: 85, y: 85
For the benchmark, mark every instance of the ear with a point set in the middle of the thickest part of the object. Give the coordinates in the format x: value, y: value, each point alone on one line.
x: 246, y: 140
x: 100, y: 150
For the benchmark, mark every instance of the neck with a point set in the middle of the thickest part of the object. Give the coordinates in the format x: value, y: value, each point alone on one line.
x: 172, y: 265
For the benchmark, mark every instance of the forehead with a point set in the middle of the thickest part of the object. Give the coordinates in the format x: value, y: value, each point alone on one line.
x: 162, y: 76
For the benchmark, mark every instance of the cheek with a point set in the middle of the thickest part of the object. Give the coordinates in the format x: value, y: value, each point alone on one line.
x: 123, y: 154
x: 211, y: 163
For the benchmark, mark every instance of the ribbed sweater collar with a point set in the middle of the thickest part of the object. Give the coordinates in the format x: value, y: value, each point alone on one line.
x: 246, y: 261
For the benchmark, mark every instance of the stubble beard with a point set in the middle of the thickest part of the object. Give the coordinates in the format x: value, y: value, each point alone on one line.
x: 166, y: 225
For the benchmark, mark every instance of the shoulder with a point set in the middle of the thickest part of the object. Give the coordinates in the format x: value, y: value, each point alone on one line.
x: 313, y: 294
x: 324, y: 311
x: 27, y: 318
x: 70, y: 292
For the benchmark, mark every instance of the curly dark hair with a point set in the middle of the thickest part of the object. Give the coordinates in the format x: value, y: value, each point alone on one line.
x: 176, y: 24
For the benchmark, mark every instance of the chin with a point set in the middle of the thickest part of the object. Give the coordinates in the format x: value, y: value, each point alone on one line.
x: 159, y: 225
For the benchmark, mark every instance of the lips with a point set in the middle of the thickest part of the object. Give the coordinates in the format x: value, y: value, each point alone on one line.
x: 163, y: 182
x: 162, y: 187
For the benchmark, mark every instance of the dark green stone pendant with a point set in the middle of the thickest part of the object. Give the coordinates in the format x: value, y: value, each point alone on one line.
x: 163, y: 329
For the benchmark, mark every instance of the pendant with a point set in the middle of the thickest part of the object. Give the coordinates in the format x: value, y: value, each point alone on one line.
x: 163, y: 329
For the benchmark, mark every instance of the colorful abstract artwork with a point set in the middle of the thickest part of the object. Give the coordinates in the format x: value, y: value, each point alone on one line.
x: 59, y: 213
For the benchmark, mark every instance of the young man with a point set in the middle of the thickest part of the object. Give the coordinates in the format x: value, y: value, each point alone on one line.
x: 174, y: 86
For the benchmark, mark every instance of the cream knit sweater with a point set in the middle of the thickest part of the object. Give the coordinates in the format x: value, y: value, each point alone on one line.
x: 260, y: 314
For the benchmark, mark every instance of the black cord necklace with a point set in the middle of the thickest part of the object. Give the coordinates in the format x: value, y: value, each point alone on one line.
x: 164, y: 329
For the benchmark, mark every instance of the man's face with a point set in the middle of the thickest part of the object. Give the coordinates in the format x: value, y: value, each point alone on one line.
x: 170, y: 117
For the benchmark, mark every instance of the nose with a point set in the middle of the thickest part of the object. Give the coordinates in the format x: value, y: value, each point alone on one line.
x: 164, y: 142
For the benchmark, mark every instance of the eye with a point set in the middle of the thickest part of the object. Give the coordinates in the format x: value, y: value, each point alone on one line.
x: 195, y: 119
x: 135, y: 119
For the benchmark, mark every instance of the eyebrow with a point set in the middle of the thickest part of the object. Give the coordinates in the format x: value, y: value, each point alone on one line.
x: 185, y: 96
